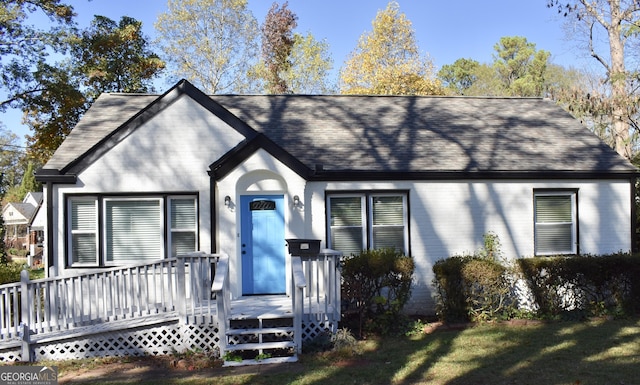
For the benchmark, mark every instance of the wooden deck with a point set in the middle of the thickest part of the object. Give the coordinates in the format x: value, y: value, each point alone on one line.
x: 147, y: 304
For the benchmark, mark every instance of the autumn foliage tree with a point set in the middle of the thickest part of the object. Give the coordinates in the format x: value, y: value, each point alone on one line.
x: 23, y: 46
x: 277, y: 44
x: 211, y: 43
x: 617, y: 23
x: 106, y: 57
x: 290, y: 62
x: 387, y: 60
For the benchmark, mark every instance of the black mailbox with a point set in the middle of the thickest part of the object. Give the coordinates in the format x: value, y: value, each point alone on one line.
x: 303, y: 247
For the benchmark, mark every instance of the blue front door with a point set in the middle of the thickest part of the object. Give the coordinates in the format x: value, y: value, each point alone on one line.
x: 262, y: 244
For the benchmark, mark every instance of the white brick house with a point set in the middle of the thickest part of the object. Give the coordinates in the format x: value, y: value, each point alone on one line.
x: 148, y: 176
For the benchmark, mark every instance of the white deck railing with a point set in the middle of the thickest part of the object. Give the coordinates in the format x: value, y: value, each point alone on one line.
x: 316, y: 284
x: 181, y: 285
x: 193, y: 288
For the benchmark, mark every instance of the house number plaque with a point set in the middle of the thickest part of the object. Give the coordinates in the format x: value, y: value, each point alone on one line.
x: 262, y: 205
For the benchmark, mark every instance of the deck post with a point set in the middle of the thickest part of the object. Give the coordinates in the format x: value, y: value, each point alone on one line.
x: 181, y: 290
x: 24, y: 328
x: 299, y: 282
x: 220, y: 288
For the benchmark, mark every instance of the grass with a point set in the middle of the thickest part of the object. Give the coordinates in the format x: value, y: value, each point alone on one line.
x: 594, y: 352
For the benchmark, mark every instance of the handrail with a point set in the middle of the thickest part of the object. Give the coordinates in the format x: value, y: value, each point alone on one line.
x: 299, y: 282
x: 222, y: 272
x: 221, y: 290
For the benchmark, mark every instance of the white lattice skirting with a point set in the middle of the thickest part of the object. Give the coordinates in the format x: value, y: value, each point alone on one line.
x: 12, y: 353
x: 167, y: 338
x: 151, y: 341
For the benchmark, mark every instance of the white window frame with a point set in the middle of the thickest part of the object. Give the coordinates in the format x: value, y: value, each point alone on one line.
x: 171, y: 230
x: 573, y: 194
x: 105, y: 229
x: 366, y: 207
x: 95, y: 231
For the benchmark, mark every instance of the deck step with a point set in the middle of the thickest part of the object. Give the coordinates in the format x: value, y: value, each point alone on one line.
x: 262, y: 346
x: 261, y: 315
x: 254, y: 331
x: 265, y: 361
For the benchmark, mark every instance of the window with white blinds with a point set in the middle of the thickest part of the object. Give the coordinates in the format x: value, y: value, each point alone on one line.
x: 367, y: 221
x: 84, y: 231
x: 347, y: 230
x: 555, y: 223
x: 132, y: 229
x: 388, y: 222
x: 183, y: 219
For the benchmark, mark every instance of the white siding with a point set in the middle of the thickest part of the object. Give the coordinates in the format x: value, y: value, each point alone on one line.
x: 450, y: 218
x: 171, y: 152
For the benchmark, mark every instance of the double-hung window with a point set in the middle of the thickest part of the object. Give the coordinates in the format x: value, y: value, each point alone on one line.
x: 361, y: 221
x: 555, y: 220
x: 108, y: 230
x: 84, y: 231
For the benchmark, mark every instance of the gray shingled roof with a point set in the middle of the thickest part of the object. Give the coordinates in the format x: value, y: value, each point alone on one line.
x: 392, y: 133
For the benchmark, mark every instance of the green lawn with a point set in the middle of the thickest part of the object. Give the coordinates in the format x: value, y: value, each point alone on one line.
x: 595, y: 352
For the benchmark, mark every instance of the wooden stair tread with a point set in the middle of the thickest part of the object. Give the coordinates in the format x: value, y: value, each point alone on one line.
x: 269, y: 330
x: 261, y: 346
x: 274, y: 360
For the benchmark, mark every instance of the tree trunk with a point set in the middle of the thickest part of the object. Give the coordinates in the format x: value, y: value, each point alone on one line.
x: 617, y: 77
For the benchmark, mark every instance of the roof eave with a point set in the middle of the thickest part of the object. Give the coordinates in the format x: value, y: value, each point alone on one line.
x: 54, y: 176
x: 350, y: 175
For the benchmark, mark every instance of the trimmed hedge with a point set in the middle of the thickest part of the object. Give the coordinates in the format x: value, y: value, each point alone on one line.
x: 589, y: 285
x: 376, y: 284
x: 473, y: 288
x: 476, y: 288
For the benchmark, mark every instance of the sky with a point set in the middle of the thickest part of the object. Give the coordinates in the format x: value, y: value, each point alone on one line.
x: 446, y: 30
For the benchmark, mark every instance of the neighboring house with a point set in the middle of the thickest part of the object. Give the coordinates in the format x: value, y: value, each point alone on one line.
x: 24, y: 224
x: 143, y: 177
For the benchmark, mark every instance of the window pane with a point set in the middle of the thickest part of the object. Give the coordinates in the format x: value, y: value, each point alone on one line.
x: 554, y: 239
x: 346, y: 211
x: 348, y: 240
x: 133, y: 230
x: 84, y: 248
x: 183, y: 243
x: 553, y: 209
x: 388, y: 210
x: 83, y: 215
x: 346, y: 224
x: 388, y: 237
x: 183, y: 214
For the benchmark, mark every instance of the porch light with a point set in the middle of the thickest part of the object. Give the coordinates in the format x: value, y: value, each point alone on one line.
x: 296, y: 200
x: 227, y: 201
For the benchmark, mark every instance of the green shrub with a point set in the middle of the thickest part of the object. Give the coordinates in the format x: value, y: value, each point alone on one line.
x: 585, y: 285
x: 377, y: 285
x: 10, y: 273
x: 474, y: 287
x: 451, y: 299
x: 18, y: 252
